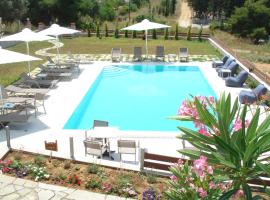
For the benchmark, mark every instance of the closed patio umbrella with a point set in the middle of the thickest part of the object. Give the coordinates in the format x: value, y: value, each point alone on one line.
x: 26, y: 35
x: 56, y: 30
x: 145, y: 25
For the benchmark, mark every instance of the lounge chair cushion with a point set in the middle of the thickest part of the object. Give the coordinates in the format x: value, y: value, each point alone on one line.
x: 250, y: 97
x: 237, y: 81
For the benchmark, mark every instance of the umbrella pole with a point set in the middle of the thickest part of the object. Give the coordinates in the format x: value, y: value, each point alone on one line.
x: 29, y: 65
x: 146, y: 47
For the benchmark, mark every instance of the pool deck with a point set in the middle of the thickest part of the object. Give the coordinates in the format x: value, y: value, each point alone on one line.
x: 63, y: 100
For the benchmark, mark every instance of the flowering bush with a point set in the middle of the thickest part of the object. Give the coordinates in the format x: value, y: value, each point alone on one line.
x: 38, y: 173
x: 228, y: 138
x: 107, y: 187
x: 74, y: 179
x: 5, y: 166
x: 150, y: 194
x: 194, y: 182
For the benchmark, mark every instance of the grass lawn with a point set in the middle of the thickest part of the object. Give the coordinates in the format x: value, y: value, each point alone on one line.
x: 92, y: 45
x: 84, y: 45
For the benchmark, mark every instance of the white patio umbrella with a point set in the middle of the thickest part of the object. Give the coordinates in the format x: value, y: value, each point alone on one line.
x: 7, y: 56
x: 145, y: 25
x: 56, y: 30
x: 26, y: 35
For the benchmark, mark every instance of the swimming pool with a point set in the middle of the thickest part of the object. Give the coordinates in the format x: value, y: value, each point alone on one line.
x: 139, y: 97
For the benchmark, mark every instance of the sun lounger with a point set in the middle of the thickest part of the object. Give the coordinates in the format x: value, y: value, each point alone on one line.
x: 137, y: 54
x: 116, y: 54
x: 230, y: 70
x: 27, y: 91
x: 160, y: 53
x: 183, y: 54
x: 237, y: 81
x: 250, y: 97
x: 14, y: 117
x: 55, y: 75
x: 13, y: 99
x: 220, y: 62
x: 37, y: 83
x: 227, y: 63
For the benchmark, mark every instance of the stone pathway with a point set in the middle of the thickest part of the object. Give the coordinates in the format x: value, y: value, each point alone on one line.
x: 12, y: 188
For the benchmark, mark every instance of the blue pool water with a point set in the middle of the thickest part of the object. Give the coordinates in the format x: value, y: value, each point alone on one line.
x: 139, y: 97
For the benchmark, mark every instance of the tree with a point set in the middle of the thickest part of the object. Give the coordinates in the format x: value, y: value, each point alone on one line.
x: 200, y: 34
x: 97, y: 30
x: 176, y: 37
x: 11, y: 10
x: 250, y: 20
x: 106, y: 31
x: 89, y: 7
x: 116, y: 32
x: 107, y: 11
x: 154, y: 34
x: 87, y: 24
x: 189, y: 33
x: 134, y: 34
x: 166, y: 34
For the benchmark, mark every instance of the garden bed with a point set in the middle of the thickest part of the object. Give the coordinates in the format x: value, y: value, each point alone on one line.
x: 91, y: 177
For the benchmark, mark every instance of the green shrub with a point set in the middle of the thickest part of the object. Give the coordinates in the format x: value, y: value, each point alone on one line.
x: 123, y: 180
x: 126, y: 32
x: 93, y: 184
x: 151, y: 179
x: 93, y: 169
x: 39, y: 160
x: 252, y: 83
x: 97, y: 31
x: 259, y: 33
x: 67, y: 164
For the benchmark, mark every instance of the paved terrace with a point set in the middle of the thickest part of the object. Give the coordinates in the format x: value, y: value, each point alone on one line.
x: 20, y: 189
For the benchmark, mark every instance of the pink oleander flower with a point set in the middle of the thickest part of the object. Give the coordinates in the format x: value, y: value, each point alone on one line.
x: 239, y: 194
x: 199, y: 166
x: 202, y: 192
x: 222, y: 187
x: 179, y: 163
x: 210, y: 170
x: 238, y: 124
x: 212, y: 185
x: 203, y: 130
x: 211, y: 99
x: 174, y: 178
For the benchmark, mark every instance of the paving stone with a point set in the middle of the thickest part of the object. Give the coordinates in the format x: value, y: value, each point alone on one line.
x: 12, y: 196
x: 6, y: 179
x: 84, y: 195
x: 30, y: 184
x: 59, y: 196
x: 7, y: 190
x: 31, y: 196
x: 24, y: 191
x: 18, y: 187
x: 45, y: 194
x: 19, y: 181
x: 51, y: 187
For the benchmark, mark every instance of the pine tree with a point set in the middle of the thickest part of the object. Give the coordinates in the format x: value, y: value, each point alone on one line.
x: 116, y: 32
x: 200, y: 34
x: 134, y: 34
x: 126, y: 32
x: 154, y: 34
x: 176, y: 37
x: 189, y: 33
x: 97, y: 31
x: 166, y: 34
x: 106, y: 31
